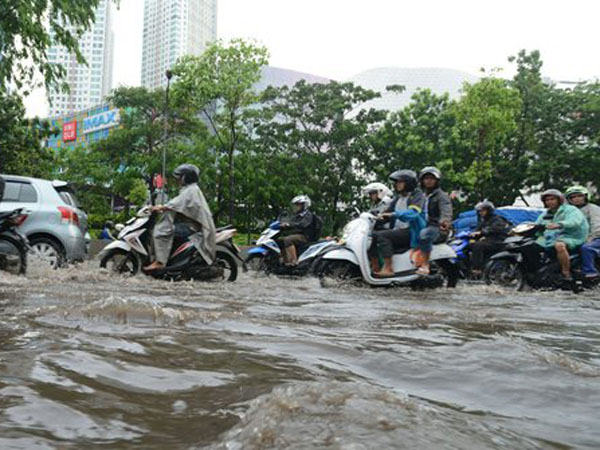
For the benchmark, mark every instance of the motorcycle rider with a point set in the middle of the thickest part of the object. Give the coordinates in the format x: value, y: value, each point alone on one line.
x: 565, y: 228
x: 186, y: 214
x: 579, y: 197
x: 438, y: 215
x: 407, y: 197
x: 490, y: 233
x: 379, y: 195
x: 300, y: 229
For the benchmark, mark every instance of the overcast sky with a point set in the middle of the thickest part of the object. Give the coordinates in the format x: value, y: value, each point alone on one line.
x: 339, y: 38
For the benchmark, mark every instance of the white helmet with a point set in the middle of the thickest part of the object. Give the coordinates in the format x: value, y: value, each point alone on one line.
x: 381, y: 189
x: 304, y: 199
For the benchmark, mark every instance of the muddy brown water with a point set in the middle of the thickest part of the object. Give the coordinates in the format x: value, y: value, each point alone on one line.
x: 89, y: 360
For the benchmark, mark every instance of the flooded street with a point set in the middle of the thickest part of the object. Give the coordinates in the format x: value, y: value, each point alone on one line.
x: 88, y: 360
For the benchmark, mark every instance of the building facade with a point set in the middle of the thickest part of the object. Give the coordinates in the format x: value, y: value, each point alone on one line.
x: 83, y: 127
x: 88, y: 84
x: 173, y: 28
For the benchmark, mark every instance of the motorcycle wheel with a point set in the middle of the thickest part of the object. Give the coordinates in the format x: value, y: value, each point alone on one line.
x: 505, y: 273
x: 339, y: 270
x: 228, y: 264
x: 10, y: 248
x: 449, y: 271
x: 256, y: 263
x: 121, y: 262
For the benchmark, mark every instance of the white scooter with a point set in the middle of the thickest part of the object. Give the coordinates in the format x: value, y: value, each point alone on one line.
x: 351, y: 261
x: 133, y: 249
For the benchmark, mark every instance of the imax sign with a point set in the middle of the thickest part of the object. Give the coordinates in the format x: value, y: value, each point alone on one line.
x: 100, y: 121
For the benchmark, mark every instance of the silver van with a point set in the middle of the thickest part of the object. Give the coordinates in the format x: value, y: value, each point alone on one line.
x: 56, y: 226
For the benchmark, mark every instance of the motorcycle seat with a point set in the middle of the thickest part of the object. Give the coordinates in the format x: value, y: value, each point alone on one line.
x: 6, y: 214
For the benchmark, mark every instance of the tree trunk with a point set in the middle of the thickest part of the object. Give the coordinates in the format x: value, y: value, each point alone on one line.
x: 231, y: 188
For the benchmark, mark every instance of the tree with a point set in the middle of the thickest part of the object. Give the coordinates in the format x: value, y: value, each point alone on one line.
x: 29, y: 27
x: 486, y: 118
x: 316, y: 137
x: 219, y: 84
x: 21, y: 150
x: 418, y: 135
x: 557, y: 137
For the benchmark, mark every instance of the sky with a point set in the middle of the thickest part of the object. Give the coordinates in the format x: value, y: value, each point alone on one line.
x: 340, y: 38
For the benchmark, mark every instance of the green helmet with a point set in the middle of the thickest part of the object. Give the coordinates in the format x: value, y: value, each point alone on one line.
x: 575, y: 190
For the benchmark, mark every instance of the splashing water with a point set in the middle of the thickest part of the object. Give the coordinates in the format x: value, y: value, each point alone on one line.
x: 89, y: 359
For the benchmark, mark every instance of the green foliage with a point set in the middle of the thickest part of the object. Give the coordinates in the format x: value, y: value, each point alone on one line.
x: 29, y: 27
x: 219, y: 85
x: 315, y: 139
x: 486, y: 118
x: 128, y: 158
x: 500, y: 139
x: 21, y: 150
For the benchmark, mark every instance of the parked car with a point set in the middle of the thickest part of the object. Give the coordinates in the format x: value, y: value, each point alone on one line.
x: 56, y: 226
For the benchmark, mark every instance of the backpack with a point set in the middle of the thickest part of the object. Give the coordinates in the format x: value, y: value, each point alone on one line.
x: 317, y: 227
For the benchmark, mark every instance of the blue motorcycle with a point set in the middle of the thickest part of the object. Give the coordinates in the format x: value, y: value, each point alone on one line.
x: 267, y: 255
x: 460, y: 244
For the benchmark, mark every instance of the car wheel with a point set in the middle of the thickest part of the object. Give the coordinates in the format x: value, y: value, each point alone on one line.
x: 48, y: 251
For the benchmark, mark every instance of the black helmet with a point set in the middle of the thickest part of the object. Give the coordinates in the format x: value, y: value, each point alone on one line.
x: 486, y: 204
x: 408, y: 176
x: 188, y: 172
x: 430, y: 170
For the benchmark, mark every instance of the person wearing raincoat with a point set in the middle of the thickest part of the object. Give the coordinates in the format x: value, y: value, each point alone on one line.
x: 579, y: 197
x: 186, y: 214
x: 564, y: 228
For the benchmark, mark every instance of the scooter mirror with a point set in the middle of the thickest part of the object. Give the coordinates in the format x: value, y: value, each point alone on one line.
x: 119, y: 227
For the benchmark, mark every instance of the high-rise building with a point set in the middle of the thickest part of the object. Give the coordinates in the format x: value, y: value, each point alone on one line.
x: 90, y: 83
x: 173, y: 28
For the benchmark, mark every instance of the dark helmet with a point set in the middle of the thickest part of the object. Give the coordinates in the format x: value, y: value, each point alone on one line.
x: 486, y: 204
x: 553, y: 193
x: 430, y: 170
x: 408, y: 176
x: 188, y: 172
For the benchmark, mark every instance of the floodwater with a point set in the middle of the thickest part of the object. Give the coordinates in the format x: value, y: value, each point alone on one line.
x: 89, y: 360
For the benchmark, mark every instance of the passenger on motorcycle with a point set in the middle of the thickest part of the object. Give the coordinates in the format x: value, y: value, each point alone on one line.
x: 300, y: 229
x: 379, y: 195
x: 438, y: 215
x: 407, y: 197
x: 491, y: 231
x: 579, y: 197
x: 186, y: 214
x: 565, y: 229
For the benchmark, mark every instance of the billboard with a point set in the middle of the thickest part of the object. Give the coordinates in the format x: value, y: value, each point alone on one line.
x: 101, y: 121
x: 69, y: 132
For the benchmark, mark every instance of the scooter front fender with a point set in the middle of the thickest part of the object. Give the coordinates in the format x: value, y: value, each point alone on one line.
x: 114, y: 245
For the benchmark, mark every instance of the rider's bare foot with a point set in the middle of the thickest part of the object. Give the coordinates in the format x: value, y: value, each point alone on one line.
x: 154, y: 266
x: 423, y: 270
x: 384, y: 274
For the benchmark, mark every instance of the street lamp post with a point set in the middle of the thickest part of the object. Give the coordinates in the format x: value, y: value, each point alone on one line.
x: 169, y: 75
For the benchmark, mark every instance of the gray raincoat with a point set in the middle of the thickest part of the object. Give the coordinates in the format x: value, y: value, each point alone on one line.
x: 191, y: 204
